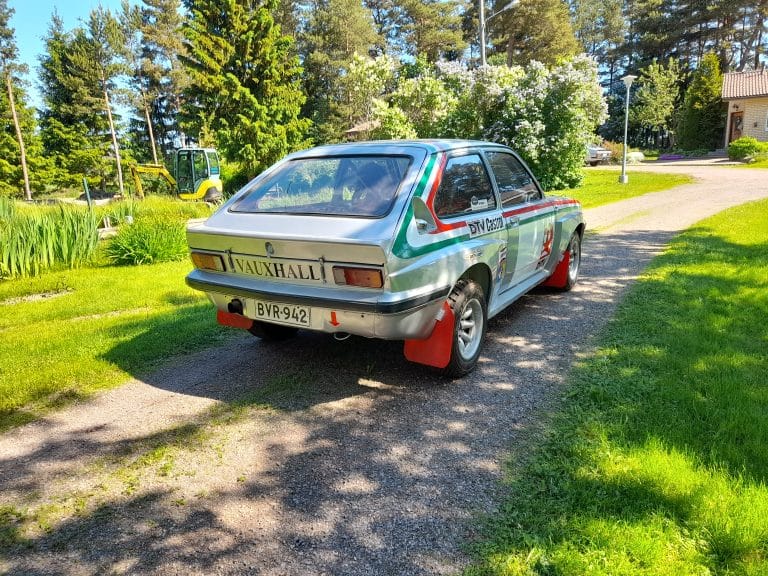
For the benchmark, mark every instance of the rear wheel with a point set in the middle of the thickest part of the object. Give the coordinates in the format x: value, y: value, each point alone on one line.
x: 468, y: 304
x: 272, y: 332
x: 574, y: 261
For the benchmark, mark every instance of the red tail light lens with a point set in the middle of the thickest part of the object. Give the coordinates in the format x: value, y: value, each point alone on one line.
x: 365, y: 277
x: 206, y: 261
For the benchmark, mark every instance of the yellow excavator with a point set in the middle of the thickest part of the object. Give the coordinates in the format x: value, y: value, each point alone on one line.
x: 197, y: 173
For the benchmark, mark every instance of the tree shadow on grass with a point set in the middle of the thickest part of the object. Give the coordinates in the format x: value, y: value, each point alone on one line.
x: 657, y: 432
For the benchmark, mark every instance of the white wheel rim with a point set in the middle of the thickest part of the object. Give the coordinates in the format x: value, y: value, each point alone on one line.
x: 470, y: 329
x: 575, y: 260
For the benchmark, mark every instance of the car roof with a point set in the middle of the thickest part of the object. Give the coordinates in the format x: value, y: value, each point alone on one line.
x: 390, y: 147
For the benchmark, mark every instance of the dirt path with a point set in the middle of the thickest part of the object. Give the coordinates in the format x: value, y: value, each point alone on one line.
x: 314, y: 456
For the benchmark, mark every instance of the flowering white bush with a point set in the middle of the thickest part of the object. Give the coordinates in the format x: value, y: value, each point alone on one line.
x: 366, y: 80
x: 393, y: 124
x: 426, y: 102
x: 548, y: 115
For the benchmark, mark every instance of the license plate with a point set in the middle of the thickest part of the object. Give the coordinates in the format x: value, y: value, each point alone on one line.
x: 281, y: 313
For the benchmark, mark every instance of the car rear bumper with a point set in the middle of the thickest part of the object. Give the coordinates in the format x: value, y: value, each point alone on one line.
x: 364, y: 313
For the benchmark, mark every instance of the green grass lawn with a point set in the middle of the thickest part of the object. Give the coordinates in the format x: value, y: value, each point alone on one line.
x: 67, y: 334
x: 657, y: 462
x: 759, y: 164
x: 602, y: 186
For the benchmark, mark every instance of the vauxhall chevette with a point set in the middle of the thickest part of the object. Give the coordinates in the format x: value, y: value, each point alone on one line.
x: 420, y: 241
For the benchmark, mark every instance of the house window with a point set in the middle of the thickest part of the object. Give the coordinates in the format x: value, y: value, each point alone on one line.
x: 766, y: 122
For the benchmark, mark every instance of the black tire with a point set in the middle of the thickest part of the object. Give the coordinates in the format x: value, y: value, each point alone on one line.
x: 470, y: 313
x: 272, y: 332
x: 574, y: 264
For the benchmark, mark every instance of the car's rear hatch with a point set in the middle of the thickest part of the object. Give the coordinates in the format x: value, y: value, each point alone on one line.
x: 310, y: 222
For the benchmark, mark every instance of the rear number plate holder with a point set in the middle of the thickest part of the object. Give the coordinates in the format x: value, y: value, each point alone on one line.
x: 279, y: 313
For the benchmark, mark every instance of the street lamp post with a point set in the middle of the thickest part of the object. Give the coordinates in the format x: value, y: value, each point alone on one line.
x: 483, y: 21
x: 623, y: 179
x: 481, y: 16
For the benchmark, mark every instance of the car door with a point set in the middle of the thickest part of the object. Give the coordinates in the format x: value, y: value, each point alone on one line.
x: 466, y: 198
x: 529, y: 219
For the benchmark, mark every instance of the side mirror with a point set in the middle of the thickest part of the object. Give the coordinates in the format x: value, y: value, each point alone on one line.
x: 425, y: 222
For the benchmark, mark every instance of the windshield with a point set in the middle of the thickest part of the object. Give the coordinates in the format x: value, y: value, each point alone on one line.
x: 343, y: 186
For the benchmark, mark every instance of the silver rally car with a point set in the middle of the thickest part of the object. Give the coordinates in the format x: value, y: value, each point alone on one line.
x: 421, y: 241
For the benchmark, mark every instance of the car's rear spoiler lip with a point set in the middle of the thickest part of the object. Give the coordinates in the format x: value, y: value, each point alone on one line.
x: 196, y: 281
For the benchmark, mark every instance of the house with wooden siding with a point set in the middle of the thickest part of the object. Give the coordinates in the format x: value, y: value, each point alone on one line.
x: 747, y: 96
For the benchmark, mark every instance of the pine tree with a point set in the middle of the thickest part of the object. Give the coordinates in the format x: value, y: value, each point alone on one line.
x: 64, y: 124
x: 387, y: 20
x: 95, y: 58
x: 599, y: 27
x: 432, y: 28
x: 244, y: 90
x: 145, y: 92
x: 735, y: 30
x: 77, y: 76
x: 702, y: 118
x: 539, y: 30
x: 656, y: 98
x: 336, y: 31
x: 162, y: 42
x: 8, y: 68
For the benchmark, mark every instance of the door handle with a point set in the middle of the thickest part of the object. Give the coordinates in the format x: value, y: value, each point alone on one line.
x: 513, y: 221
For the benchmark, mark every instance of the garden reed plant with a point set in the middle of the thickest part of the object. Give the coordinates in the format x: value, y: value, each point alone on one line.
x: 34, y: 239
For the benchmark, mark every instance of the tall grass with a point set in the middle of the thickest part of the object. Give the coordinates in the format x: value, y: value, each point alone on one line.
x: 39, y: 238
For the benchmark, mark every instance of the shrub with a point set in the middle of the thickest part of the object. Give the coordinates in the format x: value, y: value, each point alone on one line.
x: 149, y: 240
x: 617, y: 151
x: 234, y: 177
x: 746, y: 147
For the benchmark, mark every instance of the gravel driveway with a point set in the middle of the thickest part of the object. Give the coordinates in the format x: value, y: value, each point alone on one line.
x: 323, y: 457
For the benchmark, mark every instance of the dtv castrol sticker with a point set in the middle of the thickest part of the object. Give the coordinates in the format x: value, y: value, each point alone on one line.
x: 485, y: 225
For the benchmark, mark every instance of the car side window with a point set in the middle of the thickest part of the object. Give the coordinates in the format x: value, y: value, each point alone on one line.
x: 516, y: 185
x: 465, y: 188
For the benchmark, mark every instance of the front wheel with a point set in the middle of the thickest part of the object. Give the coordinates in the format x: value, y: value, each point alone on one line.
x: 468, y: 304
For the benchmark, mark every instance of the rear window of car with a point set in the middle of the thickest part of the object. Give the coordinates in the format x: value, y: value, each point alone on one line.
x: 337, y: 186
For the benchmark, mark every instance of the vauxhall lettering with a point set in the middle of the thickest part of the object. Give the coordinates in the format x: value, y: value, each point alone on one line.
x: 265, y: 269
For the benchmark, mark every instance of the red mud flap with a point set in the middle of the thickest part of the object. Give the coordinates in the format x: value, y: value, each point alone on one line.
x: 435, y: 350
x: 233, y: 320
x: 559, y: 278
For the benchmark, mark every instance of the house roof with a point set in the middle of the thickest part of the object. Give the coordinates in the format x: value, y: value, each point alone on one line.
x: 363, y: 127
x: 745, y: 84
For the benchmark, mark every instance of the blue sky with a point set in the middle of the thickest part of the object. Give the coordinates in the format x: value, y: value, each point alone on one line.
x: 31, y: 21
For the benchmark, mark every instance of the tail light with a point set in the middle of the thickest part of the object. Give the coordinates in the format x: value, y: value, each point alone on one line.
x: 365, y: 277
x: 208, y: 261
